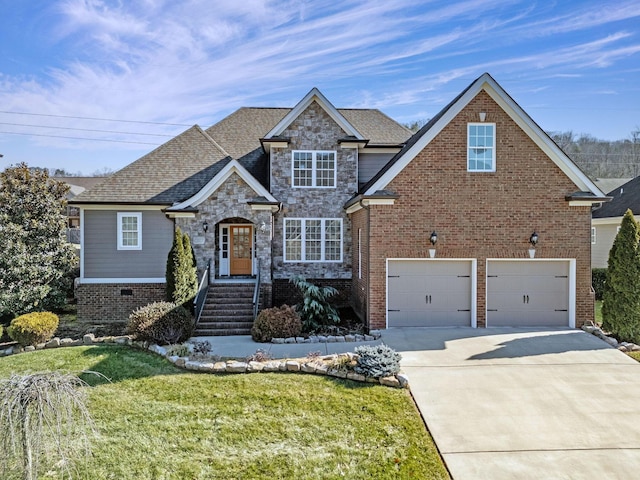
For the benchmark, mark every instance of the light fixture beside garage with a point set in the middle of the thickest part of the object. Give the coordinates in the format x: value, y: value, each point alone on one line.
x: 533, y: 240
x: 205, y: 226
x: 433, y: 238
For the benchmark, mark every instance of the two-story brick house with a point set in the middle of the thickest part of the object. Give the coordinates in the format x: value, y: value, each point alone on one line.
x: 430, y: 229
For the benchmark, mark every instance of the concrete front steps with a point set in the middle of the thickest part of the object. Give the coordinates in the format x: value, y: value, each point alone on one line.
x: 228, y: 310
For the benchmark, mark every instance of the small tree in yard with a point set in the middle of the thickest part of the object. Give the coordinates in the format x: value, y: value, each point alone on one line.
x: 182, y: 277
x: 35, y: 256
x: 621, y: 297
x: 315, y: 310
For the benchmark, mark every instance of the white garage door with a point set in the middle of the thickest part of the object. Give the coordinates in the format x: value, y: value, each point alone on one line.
x: 429, y: 293
x: 527, y: 293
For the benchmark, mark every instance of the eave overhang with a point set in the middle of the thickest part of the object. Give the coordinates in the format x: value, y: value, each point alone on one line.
x: 363, y: 201
x: 585, y: 199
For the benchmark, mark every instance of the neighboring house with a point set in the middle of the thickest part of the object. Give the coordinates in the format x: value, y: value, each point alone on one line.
x: 606, y: 220
x: 346, y: 197
x: 77, y: 185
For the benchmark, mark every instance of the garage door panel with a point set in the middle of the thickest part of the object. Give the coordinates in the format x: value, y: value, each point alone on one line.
x: 429, y: 293
x: 528, y: 293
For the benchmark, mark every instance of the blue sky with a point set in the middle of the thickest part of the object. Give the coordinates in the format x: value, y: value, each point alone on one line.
x: 122, y: 77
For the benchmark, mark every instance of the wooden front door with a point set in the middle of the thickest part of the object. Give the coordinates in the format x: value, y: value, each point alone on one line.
x: 241, y: 254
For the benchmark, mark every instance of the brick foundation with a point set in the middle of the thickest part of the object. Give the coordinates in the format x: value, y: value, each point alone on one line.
x: 113, y: 302
x: 285, y: 292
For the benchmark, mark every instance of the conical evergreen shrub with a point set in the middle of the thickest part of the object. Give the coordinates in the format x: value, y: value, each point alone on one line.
x: 621, y: 297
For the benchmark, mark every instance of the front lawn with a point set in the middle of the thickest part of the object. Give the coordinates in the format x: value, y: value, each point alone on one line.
x: 158, y: 422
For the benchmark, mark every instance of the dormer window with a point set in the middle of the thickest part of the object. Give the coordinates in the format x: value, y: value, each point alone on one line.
x: 313, y: 169
x: 481, y: 147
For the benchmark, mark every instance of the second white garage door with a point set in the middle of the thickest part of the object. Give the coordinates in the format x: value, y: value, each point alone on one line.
x: 528, y: 293
x: 429, y: 293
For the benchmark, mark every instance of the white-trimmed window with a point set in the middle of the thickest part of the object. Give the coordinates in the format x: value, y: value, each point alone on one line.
x: 593, y: 235
x: 129, y: 231
x: 481, y: 147
x: 312, y: 239
x: 313, y: 169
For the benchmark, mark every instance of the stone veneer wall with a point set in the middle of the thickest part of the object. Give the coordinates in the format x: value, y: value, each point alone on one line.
x: 105, y: 302
x: 314, y: 129
x: 228, y: 202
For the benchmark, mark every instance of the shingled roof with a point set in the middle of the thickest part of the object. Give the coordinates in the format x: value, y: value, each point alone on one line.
x: 624, y: 197
x: 182, y: 166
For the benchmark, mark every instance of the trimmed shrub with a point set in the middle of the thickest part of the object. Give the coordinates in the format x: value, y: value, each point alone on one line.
x: 181, y: 273
x: 282, y: 322
x: 33, y: 328
x: 598, y: 280
x: 161, y: 322
x: 315, y: 310
x: 377, y: 361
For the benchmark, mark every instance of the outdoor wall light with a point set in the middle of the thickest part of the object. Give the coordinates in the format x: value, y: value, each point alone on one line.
x: 205, y: 226
x: 533, y: 239
x: 433, y: 238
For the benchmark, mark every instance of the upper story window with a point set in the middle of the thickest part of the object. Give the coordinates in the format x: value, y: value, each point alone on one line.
x: 481, y: 147
x: 314, y: 169
x: 129, y: 231
x: 312, y: 240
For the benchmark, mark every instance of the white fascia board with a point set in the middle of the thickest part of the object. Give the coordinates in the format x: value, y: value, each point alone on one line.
x: 488, y: 84
x: 120, y: 207
x: 583, y: 203
x: 232, y: 167
x: 365, y: 202
x: 181, y: 214
x: 607, y: 221
x: 295, y: 112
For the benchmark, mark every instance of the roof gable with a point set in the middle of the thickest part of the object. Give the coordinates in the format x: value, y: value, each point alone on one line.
x: 427, y: 133
x: 314, y: 96
x: 218, y: 180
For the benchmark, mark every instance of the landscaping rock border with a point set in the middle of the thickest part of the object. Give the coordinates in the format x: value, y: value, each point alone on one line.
x: 321, y: 365
x: 590, y: 327
x: 372, y: 336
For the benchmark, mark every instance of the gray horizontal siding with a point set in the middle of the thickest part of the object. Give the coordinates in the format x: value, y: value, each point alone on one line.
x: 605, y: 235
x: 102, y: 259
x: 370, y: 163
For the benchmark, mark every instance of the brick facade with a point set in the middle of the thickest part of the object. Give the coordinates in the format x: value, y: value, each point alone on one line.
x: 113, y: 302
x: 477, y: 215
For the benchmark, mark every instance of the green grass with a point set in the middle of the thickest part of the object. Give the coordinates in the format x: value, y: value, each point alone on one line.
x: 634, y: 355
x: 158, y: 422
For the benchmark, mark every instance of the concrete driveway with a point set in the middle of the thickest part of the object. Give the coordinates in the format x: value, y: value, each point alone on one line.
x: 506, y: 403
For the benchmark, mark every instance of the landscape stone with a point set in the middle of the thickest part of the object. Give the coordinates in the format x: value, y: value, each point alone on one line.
x: 390, y: 382
x: 322, y: 339
x: 88, y: 339
x: 237, y: 367
x: 206, y: 367
x: 29, y: 348
x: 53, y: 343
x: 403, y: 379
x: 255, y: 367
x: 356, y: 377
x: 611, y: 341
x: 180, y: 362
x: 192, y: 365
x: 219, y: 367
x: 308, y: 367
x: 369, y: 338
x: 65, y: 342
x: 322, y: 369
x: 293, y: 366
x: 271, y: 367
x: 340, y: 339
x: 337, y: 373
x: 299, y: 339
x: 350, y: 338
x: 359, y: 338
x: 290, y: 340
x: 277, y: 340
x: 331, y: 339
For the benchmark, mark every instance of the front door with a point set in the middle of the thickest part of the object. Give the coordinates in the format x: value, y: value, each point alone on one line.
x: 241, y: 255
